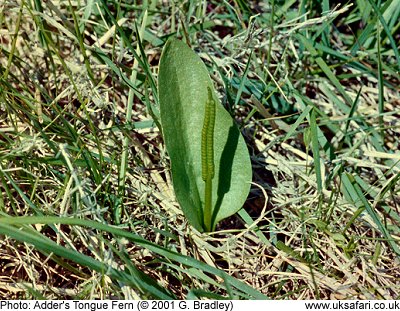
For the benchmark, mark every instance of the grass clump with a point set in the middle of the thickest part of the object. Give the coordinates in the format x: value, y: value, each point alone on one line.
x: 86, y: 203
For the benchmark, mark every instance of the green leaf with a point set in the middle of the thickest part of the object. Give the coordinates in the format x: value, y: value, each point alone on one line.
x: 315, y: 149
x: 190, y: 264
x: 183, y: 85
x: 45, y: 244
x: 353, y: 194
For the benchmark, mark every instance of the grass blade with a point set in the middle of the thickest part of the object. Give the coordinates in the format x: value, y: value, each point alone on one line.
x: 6, y: 223
x: 315, y: 149
x: 45, y: 244
x: 354, y: 194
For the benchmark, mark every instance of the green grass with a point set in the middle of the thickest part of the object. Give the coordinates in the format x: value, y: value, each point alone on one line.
x: 87, y: 208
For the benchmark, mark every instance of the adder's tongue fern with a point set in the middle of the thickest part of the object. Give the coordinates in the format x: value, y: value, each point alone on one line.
x: 210, y: 163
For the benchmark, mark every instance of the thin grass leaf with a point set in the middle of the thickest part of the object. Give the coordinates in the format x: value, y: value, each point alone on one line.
x: 128, y: 116
x: 196, y: 294
x: 14, y: 42
x: 242, y: 82
x: 102, y: 56
x: 315, y: 150
x: 325, y: 68
x: 381, y: 99
x: 299, y: 120
x: 387, y: 30
x: 355, y: 196
x: 79, y: 38
x: 138, y: 276
x: 250, y: 222
x: 128, y: 43
x: 45, y: 244
x: 185, y: 260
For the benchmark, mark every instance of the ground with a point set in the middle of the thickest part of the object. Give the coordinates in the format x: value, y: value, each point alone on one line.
x: 87, y: 204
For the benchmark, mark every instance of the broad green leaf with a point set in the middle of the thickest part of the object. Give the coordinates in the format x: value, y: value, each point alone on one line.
x: 183, y: 85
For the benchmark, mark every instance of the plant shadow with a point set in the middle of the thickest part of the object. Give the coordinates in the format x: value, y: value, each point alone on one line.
x: 225, y: 168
